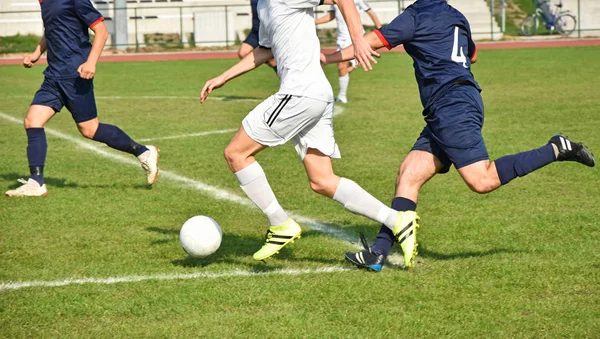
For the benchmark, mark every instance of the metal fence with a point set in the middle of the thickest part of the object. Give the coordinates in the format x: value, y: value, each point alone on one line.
x: 175, y: 25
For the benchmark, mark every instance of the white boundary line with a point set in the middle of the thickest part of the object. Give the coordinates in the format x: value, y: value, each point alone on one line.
x: 136, y: 278
x: 212, y: 191
x: 150, y: 97
x: 199, y: 134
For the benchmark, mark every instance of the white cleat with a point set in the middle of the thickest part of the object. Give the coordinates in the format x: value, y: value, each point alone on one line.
x: 30, y: 188
x: 149, y: 160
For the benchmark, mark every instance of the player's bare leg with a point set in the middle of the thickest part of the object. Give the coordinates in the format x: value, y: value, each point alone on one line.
x: 345, y: 191
x: 240, y: 157
x: 37, y: 147
x: 416, y: 169
x: 344, y: 70
x: 356, y: 200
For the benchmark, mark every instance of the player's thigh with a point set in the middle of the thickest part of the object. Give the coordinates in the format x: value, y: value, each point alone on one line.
x: 46, y: 102
x: 242, y: 145
x: 78, y: 96
x: 319, y: 133
x: 426, y: 144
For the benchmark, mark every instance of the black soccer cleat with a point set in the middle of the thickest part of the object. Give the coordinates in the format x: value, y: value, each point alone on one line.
x: 365, y: 258
x: 572, y: 151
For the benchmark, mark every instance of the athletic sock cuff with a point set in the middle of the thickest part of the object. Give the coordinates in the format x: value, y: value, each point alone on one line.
x: 249, y: 173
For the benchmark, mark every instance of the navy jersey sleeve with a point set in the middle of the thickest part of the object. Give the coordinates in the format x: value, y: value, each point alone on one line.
x: 399, y: 31
x: 87, y: 13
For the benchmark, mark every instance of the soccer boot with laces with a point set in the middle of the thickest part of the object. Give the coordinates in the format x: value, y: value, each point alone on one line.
x: 277, y: 237
x: 365, y: 258
x: 30, y: 188
x: 149, y: 161
x: 572, y: 151
x: 405, y: 232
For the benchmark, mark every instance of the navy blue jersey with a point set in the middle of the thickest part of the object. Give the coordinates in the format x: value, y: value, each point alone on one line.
x: 255, y: 19
x: 438, y: 38
x: 66, y: 25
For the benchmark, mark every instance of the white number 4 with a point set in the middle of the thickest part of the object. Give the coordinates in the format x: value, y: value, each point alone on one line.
x: 455, y: 49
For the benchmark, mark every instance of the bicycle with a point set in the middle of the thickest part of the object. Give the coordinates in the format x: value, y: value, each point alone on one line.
x: 563, y: 21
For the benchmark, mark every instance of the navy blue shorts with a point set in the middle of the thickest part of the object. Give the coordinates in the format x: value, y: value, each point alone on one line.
x: 77, y: 95
x: 252, y: 38
x: 453, y: 131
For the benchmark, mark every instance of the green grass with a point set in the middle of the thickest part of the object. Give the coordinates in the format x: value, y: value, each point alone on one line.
x: 520, y: 262
x: 18, y: 43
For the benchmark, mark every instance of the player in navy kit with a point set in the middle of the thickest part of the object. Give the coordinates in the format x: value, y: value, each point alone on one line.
x: 251, y: 41
x: 438, y: 38
x: 68, y: 83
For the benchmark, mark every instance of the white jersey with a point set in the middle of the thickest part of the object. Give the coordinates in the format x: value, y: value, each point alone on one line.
x: 288, y: 28
x: 343, y: 34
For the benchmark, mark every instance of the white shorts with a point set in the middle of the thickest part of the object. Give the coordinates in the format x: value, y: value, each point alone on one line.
x: 341, y: 44
x: 306, y: 121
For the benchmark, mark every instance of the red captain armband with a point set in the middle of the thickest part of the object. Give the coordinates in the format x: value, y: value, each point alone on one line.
x: 473, y: 57
x: 97, y: 22
x: 382, y: 39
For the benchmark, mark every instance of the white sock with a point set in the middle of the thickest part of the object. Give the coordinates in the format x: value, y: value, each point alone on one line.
x: 356, y: 200
x: 253, y: 182
x: 344, y: 85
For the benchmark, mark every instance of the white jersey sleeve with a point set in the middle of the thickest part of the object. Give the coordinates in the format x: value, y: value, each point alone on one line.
x: 303, y: 3
x: 362, y: 5
x: 263, y: 37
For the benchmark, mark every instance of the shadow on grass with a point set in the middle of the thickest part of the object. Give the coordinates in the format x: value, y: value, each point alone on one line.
x: 426, y: 253
x: 235, y: 246
x: 62, y: 182
x: 239, y: 98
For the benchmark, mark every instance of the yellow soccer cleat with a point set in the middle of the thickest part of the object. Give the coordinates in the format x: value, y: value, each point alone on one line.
x: 277, y: 238
x: 405, y: 232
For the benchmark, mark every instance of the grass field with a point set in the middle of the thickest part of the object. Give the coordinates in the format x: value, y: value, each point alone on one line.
x: 520, y: 262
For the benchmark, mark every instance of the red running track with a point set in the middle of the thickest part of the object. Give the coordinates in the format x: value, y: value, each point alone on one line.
x: 233, y: 54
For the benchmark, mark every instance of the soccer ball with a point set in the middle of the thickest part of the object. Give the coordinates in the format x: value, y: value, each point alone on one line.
x: 200, y: 236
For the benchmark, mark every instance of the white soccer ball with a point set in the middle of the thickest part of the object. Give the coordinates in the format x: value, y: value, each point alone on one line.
x: 200, y: 236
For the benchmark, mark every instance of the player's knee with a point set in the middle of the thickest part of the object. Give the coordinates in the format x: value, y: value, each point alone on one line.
x: 481, y: 186
x: 87, y: 130
x: 232, y: 157
x: 29, y: 123
x: 322, y: 186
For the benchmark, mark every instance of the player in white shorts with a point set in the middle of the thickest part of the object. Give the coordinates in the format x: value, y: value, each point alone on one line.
x: 300, y: 111
x: 343, y: 41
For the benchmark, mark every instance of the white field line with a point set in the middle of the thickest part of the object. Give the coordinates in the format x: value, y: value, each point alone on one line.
x: 192, y: 183
x: 150, y: 97
x: 338, y: 111
x: 198, y: 134
x: 215, y: 192
x: 137, y: 278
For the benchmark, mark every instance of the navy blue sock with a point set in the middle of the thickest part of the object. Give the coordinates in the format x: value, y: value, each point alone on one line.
x: 37, y: 147
x: 385, y: 238
x: 114, y: 137
x: 521, y: 164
